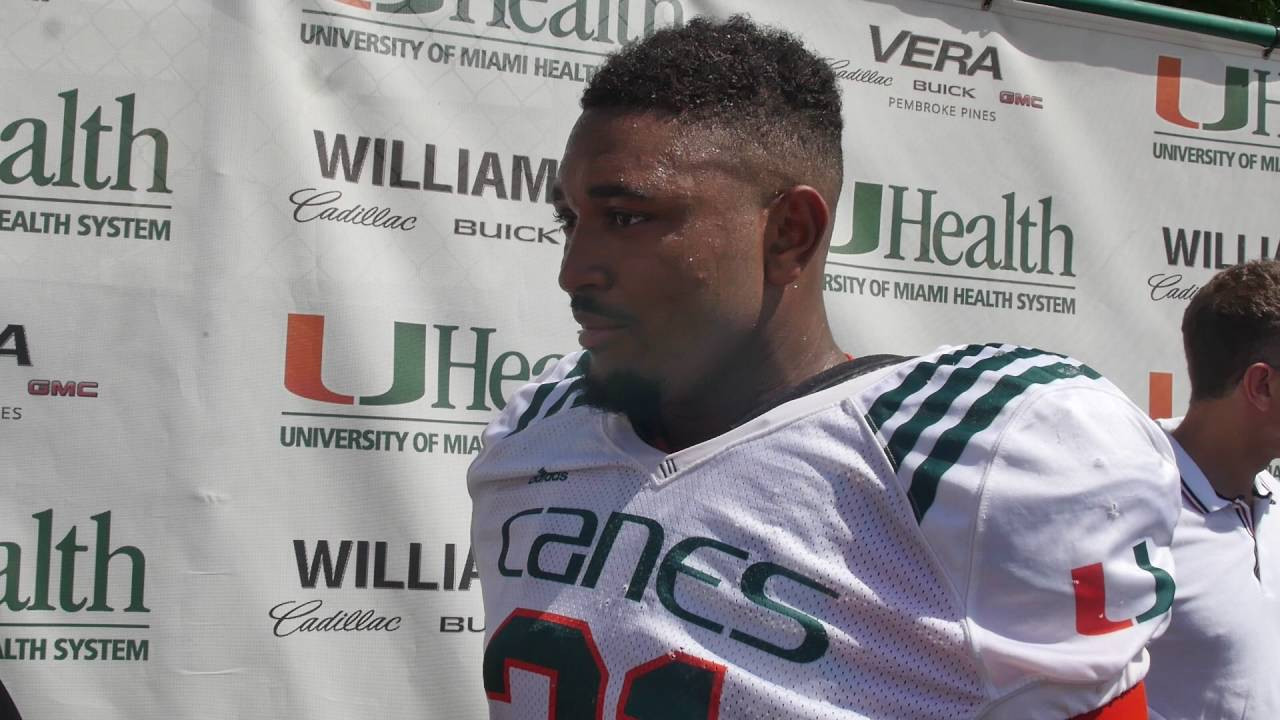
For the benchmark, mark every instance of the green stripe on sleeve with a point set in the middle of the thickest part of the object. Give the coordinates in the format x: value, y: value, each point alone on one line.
x: 574, y: 386
x: 888, y: 403
x: 935, y: 407
x: 983, y: 412
x: 544, y: 391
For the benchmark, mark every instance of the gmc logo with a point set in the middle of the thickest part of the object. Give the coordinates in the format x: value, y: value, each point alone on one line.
x: 56, y: 388
x: 1013, y: 98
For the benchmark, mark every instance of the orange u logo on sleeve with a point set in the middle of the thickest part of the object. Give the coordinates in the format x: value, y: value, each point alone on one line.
x: 1089, y: 583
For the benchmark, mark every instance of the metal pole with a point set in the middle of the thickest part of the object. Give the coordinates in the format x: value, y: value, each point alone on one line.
x: 1266, y: 36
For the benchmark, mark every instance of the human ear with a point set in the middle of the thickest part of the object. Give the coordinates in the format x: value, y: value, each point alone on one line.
x: 798, y: 220
x: 1257, y: 386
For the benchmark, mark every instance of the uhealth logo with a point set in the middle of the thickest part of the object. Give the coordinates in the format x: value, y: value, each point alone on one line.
x: 85, y: 577
x: 39, y: 595
x: 1010, y: 236
x: 572, y: 18
x: 304, y: 362
x: 26, y: 163
x: 1235, y: 113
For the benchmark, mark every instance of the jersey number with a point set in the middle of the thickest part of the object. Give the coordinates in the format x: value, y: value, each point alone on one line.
x: 674, y: 686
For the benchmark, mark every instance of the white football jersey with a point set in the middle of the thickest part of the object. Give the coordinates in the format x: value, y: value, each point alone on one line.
x: 981, y: 532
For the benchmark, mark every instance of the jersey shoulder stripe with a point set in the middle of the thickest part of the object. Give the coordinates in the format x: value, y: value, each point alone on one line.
x: 929, y: 414
x: 562, y: 389
x: 888, y: 403
x: 936, y: 405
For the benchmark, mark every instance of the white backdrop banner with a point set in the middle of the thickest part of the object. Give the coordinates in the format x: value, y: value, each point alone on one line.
x: 267, y: 268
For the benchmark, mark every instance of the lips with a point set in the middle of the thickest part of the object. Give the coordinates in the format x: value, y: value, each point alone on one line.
x: 598, y: 330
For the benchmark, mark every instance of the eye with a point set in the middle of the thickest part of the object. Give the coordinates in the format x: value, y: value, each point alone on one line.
x: 619, y: 218
x: 565, y: 219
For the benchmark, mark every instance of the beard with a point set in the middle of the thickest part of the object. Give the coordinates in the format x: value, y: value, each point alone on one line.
x: 628, y: 393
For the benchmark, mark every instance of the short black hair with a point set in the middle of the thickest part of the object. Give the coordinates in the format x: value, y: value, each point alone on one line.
x: 1231, y: 323
x: 779, y: 101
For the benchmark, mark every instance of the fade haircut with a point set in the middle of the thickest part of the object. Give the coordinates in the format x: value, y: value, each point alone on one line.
x: 772, y: 101
x: 1230, y: 324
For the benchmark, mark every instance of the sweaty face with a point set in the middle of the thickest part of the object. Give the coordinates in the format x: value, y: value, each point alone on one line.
x: 663, y: 253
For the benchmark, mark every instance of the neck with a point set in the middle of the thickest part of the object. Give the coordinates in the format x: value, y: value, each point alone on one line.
x: 1220, y: 446
x: 712, y: 407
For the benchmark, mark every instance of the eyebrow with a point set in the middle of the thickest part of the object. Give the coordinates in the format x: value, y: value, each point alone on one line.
x: 604, y: 192
x: 615, y: 190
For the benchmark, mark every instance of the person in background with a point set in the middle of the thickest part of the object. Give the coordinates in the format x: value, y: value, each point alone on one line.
x: 1220, y: 658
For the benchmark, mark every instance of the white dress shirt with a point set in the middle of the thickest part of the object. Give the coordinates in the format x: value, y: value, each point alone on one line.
x: 1220, y: 657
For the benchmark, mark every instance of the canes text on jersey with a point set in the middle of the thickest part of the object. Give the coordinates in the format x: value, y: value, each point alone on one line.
x: 672, y: 565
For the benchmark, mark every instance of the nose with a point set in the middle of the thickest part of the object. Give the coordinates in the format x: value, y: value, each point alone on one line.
x: 584, y: 264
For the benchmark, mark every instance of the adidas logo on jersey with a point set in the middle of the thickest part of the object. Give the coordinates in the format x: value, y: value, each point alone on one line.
x: 544, y: 476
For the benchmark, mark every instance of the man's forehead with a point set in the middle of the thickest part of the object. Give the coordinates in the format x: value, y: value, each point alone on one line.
x: 613, y: 154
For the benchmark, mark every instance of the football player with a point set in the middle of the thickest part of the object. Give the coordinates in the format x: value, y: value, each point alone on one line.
x: 711, y: 511
x: 1220, y: 658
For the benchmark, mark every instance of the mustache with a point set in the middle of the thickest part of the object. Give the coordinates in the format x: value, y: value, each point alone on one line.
x: 588, y: 304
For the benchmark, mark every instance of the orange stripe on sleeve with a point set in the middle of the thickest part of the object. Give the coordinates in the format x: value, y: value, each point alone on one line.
x: 1130, y: 705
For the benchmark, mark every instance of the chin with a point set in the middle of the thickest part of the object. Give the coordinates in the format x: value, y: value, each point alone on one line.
x: 606, y: 362
x: 621, y: 391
